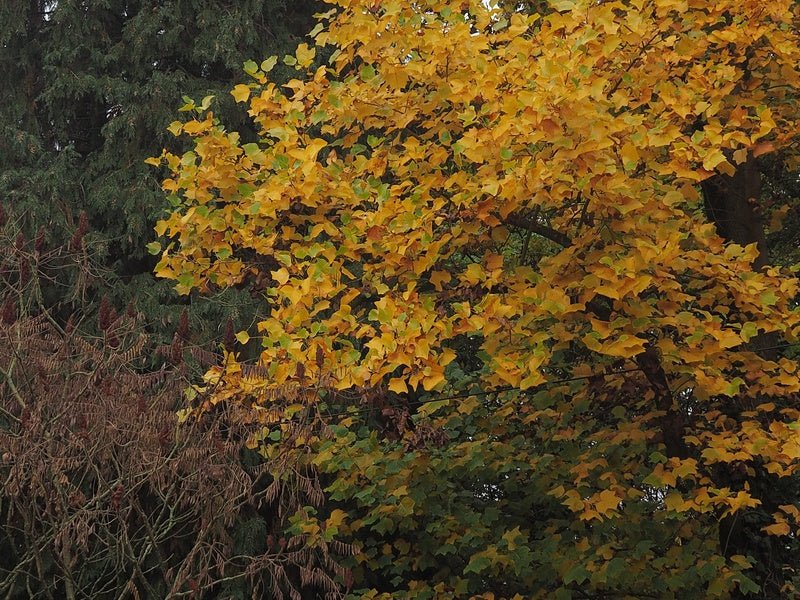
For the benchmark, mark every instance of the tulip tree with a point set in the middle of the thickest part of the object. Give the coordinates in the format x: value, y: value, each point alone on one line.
x: 496, y: 229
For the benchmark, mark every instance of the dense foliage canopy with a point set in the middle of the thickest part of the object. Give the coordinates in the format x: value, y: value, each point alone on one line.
x: 518, y: 309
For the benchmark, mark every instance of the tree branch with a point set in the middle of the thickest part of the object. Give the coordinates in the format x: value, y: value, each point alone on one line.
x: 551, y: 234
x: 7, y: 376
x: 672, y: 420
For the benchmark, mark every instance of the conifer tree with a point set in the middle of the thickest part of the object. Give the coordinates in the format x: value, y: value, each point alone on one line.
x: 93, y: 87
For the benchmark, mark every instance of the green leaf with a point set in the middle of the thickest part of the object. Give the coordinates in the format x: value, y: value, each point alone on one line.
x: 477, y: 564
x: 747, y: 585
x: 653, y: 480
x: 749, y: 331
x: 206, y: 102
x: 733, y: 387
x: 188, y: 104
x: 430, y: 407
x: 577, y: 574
x: 769, y: 298
x: 251, y: 149
x: 268, y: 64
x: 318, y: 28
x: 367, y: 72
x: 186, y: 279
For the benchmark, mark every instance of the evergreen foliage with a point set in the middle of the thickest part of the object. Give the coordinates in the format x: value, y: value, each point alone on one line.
x: 94, y: 85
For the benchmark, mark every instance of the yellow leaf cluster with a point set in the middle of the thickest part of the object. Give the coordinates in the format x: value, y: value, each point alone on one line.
x: 389, y: 206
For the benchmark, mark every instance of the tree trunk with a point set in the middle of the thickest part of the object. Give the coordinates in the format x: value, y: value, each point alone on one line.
x: 731, y: 203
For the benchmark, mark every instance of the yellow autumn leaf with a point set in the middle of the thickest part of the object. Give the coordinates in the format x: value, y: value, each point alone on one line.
x: 175, y: 128
x: 713, y: 159
x: 240, y: 93
x: 305, y: 55
x: 431, y: 381
x: 491, y: 187
x: 630, y: 156
x: 740, y: 500
x: 281, y: 275
x: 605, y: 502
x: 778, y: 529
x: 398, y: 385
x: 438, y: 278
x: 607, y: 290
x: 336, y: 518
x: 625, y: 346
x: 195, y: 127
x: 675, y: 502
x: 573, y: 501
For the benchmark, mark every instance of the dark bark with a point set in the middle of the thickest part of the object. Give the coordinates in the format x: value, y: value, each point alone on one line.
x: 672, y: 422
x: 533, y: 226
x: 731, y: 203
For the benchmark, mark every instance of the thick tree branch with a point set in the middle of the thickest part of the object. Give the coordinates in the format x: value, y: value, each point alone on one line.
x: 551, y: 234
x: 672, y: 421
